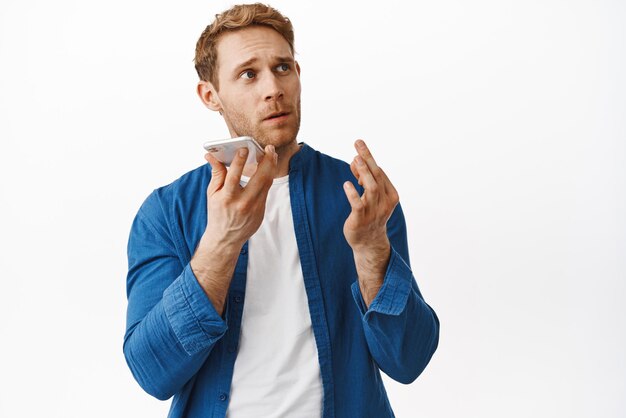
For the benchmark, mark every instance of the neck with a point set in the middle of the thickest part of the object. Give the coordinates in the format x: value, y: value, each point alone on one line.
x: 284, y: 156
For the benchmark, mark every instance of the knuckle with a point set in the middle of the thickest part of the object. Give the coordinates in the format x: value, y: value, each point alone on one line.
x: 394, y: 197
x: 232, y: 181
x: 242, y: 205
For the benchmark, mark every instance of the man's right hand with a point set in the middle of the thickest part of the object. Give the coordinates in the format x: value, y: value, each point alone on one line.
x: 234, y: 213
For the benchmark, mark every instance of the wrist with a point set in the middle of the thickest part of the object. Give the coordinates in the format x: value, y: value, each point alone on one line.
x: 371, y: 265
x: 212, y: 243
x: 374, y: 256
x: 213, y: 264
x: 214, y: 255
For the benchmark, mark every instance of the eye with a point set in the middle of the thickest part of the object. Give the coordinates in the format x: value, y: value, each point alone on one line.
x: 283, y: 67
x: 248, y: 75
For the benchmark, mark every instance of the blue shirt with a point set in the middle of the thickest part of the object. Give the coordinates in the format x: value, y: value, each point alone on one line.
x: 176, y: 344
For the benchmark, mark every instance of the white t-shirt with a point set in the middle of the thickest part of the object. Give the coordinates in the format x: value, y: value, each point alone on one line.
x: 277, y: 372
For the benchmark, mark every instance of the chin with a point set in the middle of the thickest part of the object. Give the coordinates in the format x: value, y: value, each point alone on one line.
x: 278, y: 139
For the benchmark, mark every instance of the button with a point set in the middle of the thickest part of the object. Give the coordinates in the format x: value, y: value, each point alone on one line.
x: 223, y: 396
x: 244, y: 251
x: 238, y: 299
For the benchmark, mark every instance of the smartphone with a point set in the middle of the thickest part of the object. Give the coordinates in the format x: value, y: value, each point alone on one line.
x: 225, y: 150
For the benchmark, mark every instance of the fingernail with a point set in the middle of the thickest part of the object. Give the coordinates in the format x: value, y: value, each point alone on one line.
x: 360, y: 144
x: 272, y: 148
x: 359, y: 161
x: 243, y: 152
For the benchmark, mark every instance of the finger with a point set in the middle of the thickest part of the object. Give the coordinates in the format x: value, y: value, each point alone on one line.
x: 236, y: 169
x: 389, y: 188
x: 263, y: 177
x: 353, y: 197
x: 366, y: 155
x: 366, y: 179
x: 218, y: 173
x: 355, y: 172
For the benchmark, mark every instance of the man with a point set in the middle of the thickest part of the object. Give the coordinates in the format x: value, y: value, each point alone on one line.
x: 276, y: 289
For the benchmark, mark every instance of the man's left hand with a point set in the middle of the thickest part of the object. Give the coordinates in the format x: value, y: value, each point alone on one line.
x: 366, y: 226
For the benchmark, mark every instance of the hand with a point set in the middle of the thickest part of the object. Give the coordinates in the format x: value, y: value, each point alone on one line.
x: 234, y: 212
x: 366, y: 226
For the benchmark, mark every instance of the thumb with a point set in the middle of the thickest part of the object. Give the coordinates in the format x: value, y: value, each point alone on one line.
x: 218, y: 173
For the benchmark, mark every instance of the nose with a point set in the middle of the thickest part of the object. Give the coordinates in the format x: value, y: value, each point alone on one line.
x: 272, y: 88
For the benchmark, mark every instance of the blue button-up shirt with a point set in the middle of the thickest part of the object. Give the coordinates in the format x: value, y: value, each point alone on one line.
x: 176, y: 344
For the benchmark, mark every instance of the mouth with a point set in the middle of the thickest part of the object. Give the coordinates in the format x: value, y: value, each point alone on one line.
x: 277, y: 116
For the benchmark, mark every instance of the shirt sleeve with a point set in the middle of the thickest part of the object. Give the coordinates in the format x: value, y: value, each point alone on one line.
x: 171, y: 324
x: 401, y: 329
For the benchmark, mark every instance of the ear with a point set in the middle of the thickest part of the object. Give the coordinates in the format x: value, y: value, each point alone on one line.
x: 208, y: 94
x: 298, y: 68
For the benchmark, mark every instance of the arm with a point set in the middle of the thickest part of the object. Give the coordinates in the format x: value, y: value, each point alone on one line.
x: 174, y: 311
x: 171, y: 325
x: 401, y: 330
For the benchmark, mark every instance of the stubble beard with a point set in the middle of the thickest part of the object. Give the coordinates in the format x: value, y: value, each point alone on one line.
x: 281, y: 138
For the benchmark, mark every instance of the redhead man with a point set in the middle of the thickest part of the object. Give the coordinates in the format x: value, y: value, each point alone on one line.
x: 280, y: 288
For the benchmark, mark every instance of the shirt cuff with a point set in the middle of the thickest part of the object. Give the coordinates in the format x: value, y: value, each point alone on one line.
x: 393, y: 294
x: 192, y: 316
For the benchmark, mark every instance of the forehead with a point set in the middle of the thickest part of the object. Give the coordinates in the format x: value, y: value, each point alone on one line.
x: 259, y: 42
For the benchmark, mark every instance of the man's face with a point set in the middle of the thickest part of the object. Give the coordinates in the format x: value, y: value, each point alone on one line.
x: 258, y: 78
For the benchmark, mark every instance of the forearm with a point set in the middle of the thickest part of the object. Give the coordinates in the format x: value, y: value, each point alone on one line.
x: 156, y: 359
x: 371, y: 264
x: 402, y: 344
x: 171, y: 342
x: 213, y: 265
x: 401, y: 330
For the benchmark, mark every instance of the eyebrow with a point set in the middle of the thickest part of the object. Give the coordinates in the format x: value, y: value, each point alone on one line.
x: 254, y: 59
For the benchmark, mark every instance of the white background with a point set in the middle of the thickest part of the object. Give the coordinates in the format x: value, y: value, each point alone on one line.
x: 501, y: 123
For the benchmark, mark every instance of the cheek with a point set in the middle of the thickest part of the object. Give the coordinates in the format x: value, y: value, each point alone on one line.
x: 238, y: 105
x: 295, y: 92
x: 296, y: 85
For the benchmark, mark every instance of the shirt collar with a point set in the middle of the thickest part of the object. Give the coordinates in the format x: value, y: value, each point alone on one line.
x: 299, y: 158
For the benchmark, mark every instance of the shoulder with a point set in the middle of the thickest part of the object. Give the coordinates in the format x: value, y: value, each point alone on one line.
x: 180, y: 192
